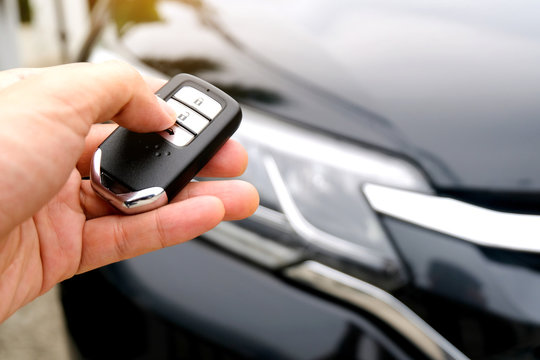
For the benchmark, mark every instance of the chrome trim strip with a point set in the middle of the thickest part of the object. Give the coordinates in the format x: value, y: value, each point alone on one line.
x: 129, y: 203
x: 320, y: 238
x: 376, y: 302
x: 458, y: 219
x: 272, y: 218
x: 249, y: 244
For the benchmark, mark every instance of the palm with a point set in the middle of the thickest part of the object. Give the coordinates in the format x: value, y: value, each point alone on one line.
x: 46, y: 248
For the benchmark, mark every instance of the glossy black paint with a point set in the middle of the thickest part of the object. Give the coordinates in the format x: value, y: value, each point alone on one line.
x: 452, y: 86
x: 483, y: 300
x: 230, y: 309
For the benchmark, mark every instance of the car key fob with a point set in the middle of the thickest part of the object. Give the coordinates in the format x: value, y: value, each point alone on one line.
x: 139, y: 172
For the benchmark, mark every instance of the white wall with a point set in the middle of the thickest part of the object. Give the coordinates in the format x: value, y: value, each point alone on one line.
x: 39, y: 41
x: 9, y: 54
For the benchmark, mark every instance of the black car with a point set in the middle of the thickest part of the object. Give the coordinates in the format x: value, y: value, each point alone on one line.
x: 395, y: 148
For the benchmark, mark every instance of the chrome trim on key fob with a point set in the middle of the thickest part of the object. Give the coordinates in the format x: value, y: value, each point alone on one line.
x: 131, y: 202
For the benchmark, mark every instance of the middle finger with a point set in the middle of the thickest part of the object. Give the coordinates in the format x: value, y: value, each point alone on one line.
x: 239, y: 198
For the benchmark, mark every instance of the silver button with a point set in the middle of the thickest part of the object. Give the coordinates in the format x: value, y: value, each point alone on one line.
x: 199, y: 101
x: 187, y: 117
x: 177, y: 106
x: 177, y: 135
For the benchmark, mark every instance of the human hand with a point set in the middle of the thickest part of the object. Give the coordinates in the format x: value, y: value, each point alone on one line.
x: 53, y: 225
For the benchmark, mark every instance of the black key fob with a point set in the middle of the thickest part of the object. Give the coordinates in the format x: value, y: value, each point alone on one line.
x: 139, y: 172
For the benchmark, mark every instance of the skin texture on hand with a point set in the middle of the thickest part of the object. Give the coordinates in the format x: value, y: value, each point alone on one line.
x: 52, y: 224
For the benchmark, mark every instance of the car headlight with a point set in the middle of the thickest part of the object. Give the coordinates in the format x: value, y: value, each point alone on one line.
x: 310, y: 185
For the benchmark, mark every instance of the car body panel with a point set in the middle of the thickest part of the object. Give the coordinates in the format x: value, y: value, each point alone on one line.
x: 453, y: 87
x: 231, y: 303
x: 483, y: 300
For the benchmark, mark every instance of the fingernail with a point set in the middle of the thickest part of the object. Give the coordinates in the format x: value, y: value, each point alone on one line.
x: 167, y: 108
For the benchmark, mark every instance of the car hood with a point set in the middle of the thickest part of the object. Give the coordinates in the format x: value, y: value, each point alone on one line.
x: 453, y: 87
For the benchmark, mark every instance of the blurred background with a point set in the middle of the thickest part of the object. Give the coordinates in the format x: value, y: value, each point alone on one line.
x: 41, y: 32
x: 36, y: 33
x: 400, y: 117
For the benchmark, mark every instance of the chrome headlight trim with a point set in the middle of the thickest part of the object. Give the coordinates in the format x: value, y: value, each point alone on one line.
x: 458, y: 219
x: 253, y: 246
x: 377, y: 302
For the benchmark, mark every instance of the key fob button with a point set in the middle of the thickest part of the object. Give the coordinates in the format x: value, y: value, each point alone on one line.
x: 177, y: 135
x: 199, y: 101
x: 187, y: 117
x: 177, y: 106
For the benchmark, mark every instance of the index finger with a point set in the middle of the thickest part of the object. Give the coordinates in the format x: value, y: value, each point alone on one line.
x: 92, y: 93
x: 51, y: 112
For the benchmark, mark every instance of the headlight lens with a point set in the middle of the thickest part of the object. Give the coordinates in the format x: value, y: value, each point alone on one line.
x: 316, y: 181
